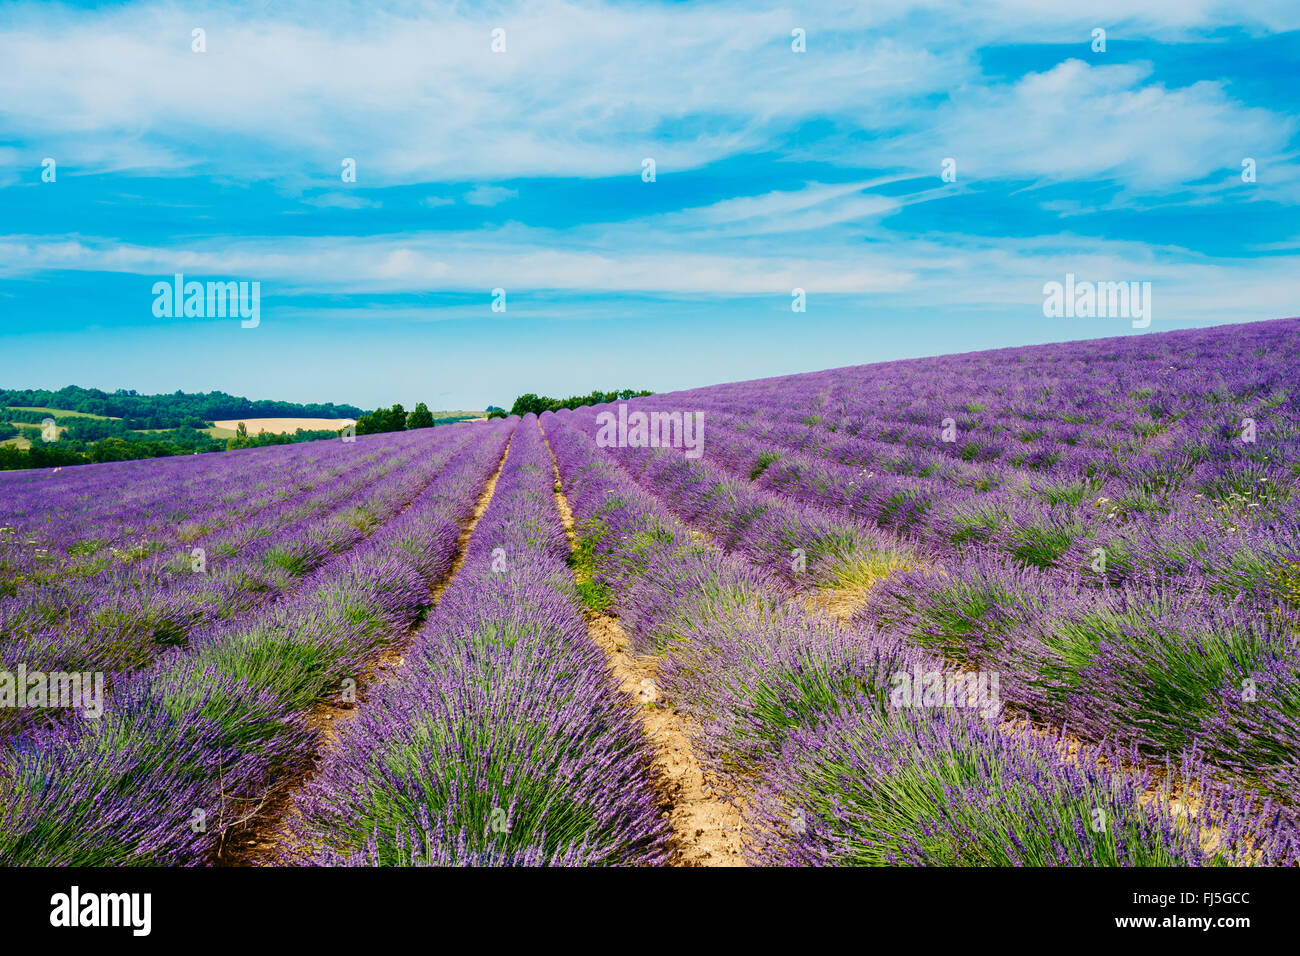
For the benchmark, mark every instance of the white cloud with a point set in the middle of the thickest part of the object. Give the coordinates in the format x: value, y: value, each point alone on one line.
x: 936, y: 272
x: 341, y: 201
x: 1079, y: 121
x: 586, y: 89
x: 419, y: 96
x: 490, y: 195
x: 516, y: 258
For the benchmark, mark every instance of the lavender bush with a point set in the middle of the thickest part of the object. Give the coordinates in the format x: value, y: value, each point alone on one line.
x: 504, y: 740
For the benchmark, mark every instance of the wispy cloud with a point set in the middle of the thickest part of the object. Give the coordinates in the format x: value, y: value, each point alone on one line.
x: 775, y: 170
x: 941, y: 272
x: 120, y: 88
x: 490, y: 195
x: 1078, y: 121
x: 341, y: 201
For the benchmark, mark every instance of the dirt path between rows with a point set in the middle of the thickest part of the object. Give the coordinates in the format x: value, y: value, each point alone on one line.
x: 842, y: 604
x: 702, y: 811
x: 264, y: 840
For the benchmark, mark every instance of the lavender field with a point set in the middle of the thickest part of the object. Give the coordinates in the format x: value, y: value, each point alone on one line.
x: 1029, y: 607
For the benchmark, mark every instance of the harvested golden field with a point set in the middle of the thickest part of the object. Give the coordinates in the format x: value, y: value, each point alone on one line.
x: 278, y: 426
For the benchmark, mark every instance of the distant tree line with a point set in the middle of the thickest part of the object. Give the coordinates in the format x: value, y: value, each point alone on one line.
x: 35, y: 418
x: 398, y: 419
x: 241, y: 438
x: 91, y: 440
x: 165, y: 411
x: 543, y: 403
x: 154, y: 426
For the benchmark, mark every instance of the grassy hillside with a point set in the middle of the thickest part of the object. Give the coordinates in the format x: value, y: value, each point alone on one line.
x: 56, y: 412
x: 173, y: 410
x: 88, y: 436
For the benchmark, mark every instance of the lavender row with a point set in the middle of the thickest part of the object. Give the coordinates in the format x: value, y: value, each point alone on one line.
x: 1168, y: 668
x: 120, y: 623
x: 1214, y: 447
x: 1223, y: 540
x: 504, y: 741
x: 803, y: 713
x: 56, y: 590
x: 188, y: 750
x: 1186, y: 389
x: 62, y: 525
x: 229, y: 520
x: 800, y: 544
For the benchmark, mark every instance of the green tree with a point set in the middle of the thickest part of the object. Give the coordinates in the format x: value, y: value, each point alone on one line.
x: 541, y: 403
x: 382, y: 420
x: 420, y: 417
x: 241, y: 439
x: 112, y: 449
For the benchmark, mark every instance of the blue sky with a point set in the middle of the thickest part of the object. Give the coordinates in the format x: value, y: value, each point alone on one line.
x: 522, y: 170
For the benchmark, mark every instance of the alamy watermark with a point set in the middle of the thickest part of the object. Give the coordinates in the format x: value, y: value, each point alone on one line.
x: 53, y: 690
x: 215, y: 300
x: 1098, y: 300
x: 75, y: 908
x: 651, y: 430
x: 976, y: 690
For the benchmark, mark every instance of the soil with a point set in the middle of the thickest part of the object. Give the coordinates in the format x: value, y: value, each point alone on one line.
x: 703, y: 812
x: 263, y: 839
